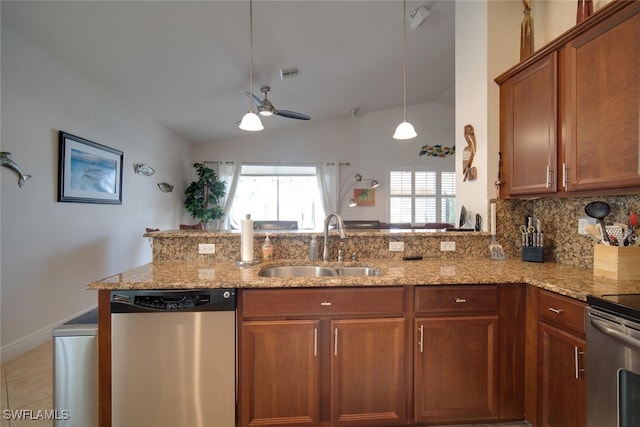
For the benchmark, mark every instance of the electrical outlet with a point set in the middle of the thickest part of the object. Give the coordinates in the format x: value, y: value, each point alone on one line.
x: 447, y: 246
x: 206, y: 248
x: 396, y: 246
x: 583, y: 222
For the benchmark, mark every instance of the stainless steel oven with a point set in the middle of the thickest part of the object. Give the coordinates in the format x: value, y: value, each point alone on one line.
x: 613, y: 361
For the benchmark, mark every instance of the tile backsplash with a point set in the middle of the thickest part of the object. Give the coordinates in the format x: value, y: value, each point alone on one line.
x: 559, y: 218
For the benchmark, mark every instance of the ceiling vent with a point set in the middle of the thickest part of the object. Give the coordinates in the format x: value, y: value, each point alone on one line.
x: 289, y: 73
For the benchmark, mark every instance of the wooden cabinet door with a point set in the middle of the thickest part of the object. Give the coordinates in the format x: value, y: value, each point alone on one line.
x: 279, y: 371
x: 528, y: 129
x: 367, y: 374
x: 456, y: 369
x: 603, y: 105
x: 561, y: 398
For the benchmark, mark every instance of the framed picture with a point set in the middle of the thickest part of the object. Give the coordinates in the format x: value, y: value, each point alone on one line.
x: 88, y: 172
x: 365, y: 196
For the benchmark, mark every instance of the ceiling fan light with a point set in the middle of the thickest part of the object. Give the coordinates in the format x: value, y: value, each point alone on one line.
x: 264, y: 110
x: 251, y: 122
x: 405, y: 130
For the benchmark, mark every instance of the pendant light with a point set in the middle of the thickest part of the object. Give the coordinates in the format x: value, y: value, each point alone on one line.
x: 250, y: 121
x: 405, y: 129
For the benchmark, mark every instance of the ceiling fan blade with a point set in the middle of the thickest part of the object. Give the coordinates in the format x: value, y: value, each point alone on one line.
x: 292, y: 115
x: 256, y: 100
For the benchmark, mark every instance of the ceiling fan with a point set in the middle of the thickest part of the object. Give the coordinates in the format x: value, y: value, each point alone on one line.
x: 266, y: 108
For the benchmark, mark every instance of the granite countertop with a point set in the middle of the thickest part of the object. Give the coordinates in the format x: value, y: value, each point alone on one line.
x: 565, y: 280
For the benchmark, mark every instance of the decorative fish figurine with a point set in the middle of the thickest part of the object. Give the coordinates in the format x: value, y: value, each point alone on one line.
x: 142, y: 169
x: 5, y: 160
x: 165, y: 187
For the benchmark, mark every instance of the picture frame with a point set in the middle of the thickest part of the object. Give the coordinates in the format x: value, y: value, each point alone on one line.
x: 88, y: 172
x: 365, y: 196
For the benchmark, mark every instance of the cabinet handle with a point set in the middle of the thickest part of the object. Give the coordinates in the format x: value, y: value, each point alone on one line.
x: 335, y: 342
x: 315, y: 341
x: 549, y: 176
x: 327, y: 303
x: 460, y: 300
x: 555, y: 310
x: 576, y: 353
x: 564, y: 175
x: 421, y: 342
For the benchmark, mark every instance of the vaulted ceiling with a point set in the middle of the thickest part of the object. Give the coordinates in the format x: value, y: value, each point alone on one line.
x: 186, y: 63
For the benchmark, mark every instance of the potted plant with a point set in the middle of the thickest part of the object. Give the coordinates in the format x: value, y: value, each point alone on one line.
x: 203, y: 195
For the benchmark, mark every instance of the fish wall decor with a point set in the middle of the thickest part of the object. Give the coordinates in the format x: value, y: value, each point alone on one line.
x: 5, y: 160
x: 142, y: 169
x: 165, y: 187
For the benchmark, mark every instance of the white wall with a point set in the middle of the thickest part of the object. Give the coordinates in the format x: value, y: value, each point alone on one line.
x: 365, y: 142
x: 51, y: 251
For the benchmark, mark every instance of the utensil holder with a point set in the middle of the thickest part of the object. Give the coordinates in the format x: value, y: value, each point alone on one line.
x: 533, y: 253
x: 615, y: 262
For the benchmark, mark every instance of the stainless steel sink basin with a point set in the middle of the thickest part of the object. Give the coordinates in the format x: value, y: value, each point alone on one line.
x: 357, y: 271
x: 287, y: 271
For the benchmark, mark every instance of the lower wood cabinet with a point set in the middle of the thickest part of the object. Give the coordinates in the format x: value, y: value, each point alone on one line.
x: 381, y: 356
x: 280, y: 373
x: 562, y: 385
x: 561, y: 360
x: 340, y: 362
x: 367, y: 375
x: 456, y: 356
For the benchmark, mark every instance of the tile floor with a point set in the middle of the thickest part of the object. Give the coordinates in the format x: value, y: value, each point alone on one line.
x: 27, y: 384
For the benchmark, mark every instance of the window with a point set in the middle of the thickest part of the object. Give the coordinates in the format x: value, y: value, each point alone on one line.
x: 422, y: 196
x: 278, y: 193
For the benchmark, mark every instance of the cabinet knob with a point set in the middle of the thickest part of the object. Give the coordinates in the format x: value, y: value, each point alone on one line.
x: 325, y: 303
x: 460, y: 300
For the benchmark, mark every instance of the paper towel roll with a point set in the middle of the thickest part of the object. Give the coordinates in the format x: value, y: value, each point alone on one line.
x: 246, y: 239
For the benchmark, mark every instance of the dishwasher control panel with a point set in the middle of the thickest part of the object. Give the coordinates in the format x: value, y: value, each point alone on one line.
x: 169, y: 300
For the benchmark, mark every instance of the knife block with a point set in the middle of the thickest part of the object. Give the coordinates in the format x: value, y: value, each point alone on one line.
x: 533, y: 253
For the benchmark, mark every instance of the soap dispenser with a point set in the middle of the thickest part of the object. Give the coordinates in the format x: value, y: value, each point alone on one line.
x: 313, y: 249
x: 267, y: 250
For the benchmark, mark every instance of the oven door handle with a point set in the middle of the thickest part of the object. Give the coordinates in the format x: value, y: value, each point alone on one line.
x: 626, y: 339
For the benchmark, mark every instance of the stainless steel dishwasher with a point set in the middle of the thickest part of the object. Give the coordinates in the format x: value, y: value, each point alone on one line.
x: 173, y: 358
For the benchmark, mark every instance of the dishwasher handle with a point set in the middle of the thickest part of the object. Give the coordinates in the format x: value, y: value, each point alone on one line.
x: 602, y: 326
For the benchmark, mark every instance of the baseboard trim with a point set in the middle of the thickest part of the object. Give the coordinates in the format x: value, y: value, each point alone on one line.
x: 25, y: 344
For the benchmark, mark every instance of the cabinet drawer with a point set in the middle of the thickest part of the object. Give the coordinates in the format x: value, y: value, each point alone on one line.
x: 456, y: 299
x: 561, y: 311
x: 321, y: 302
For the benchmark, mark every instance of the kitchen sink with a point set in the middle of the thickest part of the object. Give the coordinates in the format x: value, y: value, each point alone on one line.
x: 288, y: 271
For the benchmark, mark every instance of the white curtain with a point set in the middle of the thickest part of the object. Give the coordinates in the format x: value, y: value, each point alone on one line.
x: 229, y: 173
x: 328, y: 175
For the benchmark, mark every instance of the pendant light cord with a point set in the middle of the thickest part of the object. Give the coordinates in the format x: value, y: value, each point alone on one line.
x: 251, y: 54
x: 404, y: 60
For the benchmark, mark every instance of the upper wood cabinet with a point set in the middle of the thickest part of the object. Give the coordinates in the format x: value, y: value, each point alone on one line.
x: 570, y: 114
x: 602, y: 109
x: 528, y: 129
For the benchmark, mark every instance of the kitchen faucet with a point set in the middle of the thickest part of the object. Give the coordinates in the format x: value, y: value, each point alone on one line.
x: 343, y: 235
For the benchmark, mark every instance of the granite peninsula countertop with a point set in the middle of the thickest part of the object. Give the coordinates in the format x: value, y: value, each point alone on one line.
x: 562, y: 279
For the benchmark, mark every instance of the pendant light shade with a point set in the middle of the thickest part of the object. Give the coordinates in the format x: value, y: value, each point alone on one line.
x: 405, y: 129
x: 250, y: 121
